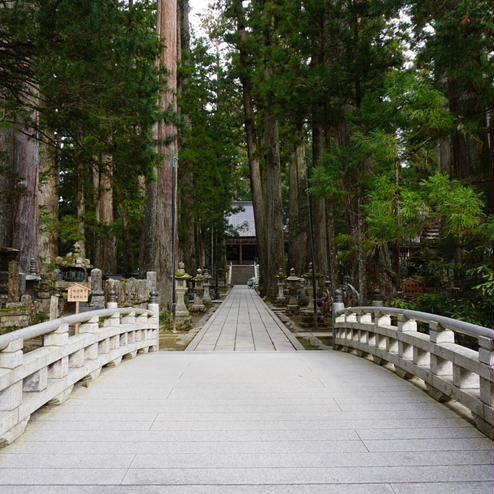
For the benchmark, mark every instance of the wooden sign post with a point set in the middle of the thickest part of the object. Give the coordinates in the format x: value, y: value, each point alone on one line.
x: 77, y: 293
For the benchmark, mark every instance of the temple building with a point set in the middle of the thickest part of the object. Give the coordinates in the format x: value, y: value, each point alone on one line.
x: 241, y: 245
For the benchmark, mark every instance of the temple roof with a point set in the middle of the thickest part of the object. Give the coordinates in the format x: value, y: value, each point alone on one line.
x: 243, y: 221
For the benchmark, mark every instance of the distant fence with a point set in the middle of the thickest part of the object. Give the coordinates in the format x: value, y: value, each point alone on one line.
x: 73, y: 348
x: 447, y: 369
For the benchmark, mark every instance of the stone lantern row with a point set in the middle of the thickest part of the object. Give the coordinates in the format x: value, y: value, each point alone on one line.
x: 201, y: 291
x: 300, y: 291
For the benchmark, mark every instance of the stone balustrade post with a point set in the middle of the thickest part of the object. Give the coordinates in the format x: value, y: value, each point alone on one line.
x: 486, y: 356
x: 381, y: 320
x: 350, y: 319
x: 440, y: 366
x: 11, y: 357
x: 364, y: 319
x: 338, y: 305
x: 114, y: 319
x: 59, y: 337
x: 154, y: 307
x: 405, y: 350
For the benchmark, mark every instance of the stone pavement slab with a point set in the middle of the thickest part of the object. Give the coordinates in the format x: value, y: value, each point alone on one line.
x: 244, y: 323
x: 248, y: 423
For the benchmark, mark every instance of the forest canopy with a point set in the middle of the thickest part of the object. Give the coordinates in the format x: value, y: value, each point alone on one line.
x: 379, y: 111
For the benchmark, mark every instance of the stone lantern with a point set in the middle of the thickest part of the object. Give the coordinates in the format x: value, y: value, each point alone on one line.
x: 206, y: 296
x: 377, y: 300
x: 73, y: 269
x: 293, y: 282
x: 198, y: 280
x: 280, y: 299
x: 73, y: 266
x: 309, y: 290
x: 182, y: 315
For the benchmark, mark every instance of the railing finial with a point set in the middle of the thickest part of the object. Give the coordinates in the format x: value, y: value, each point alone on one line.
x: 153, y: 297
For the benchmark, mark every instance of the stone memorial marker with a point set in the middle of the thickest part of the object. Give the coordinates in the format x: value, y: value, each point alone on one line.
x: 97, y: 293
x: 13, y: 283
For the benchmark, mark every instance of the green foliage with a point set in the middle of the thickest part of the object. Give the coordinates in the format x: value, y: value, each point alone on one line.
x: 212, y: 162
x: 486, y: 273
x: 458, y: 205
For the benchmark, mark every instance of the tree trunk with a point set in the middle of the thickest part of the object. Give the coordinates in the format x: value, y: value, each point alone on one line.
x: 129, y: 261
x: 319, y: 205
x: 273, y: 206
x: 251, y: 139
x: 148, y: 251
x: 25, y: 212
x: 298, y: 254
x: 168, y: 148
x: 105, y: 248
x: 48, y: 205
x: 7, y: 186
x: 361, y: 256
x: 80, y: 204
x: 187, y: 250
x: 333, y: 266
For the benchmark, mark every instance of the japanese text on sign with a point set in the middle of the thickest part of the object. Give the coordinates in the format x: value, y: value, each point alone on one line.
x: 78, y: 293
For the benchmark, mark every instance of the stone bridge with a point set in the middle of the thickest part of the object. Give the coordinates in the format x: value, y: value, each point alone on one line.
x: 247, y: 410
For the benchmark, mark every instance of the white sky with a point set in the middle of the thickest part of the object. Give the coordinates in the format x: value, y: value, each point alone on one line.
x: 196, y: 7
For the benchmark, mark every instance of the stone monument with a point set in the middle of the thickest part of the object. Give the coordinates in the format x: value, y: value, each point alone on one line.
x: 198, y: 280
x: 182, y: 315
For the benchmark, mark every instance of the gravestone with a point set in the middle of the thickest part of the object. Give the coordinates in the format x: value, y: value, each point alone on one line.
x: 13, y: 282
x: 97, y: 293
x: 53, y: 307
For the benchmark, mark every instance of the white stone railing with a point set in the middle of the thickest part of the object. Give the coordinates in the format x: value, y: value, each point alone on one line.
x: 447, y: 370
x: 47, y: 374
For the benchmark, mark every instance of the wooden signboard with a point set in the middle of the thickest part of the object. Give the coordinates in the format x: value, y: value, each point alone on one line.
x: 77, y: 293
x: 412, y: 288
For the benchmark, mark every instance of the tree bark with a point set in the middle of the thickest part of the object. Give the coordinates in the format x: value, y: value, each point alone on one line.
x: 25, y: 211
x: 7, y: 186
x: 273, y: 206
x: 333, y: 266
x: 319, y: 204
x: 148, y: 252
x: 105, y: 248
x: 251, y: 139
x: 298, y: 254
x: 168, y: 148
x: 48, y: 205
x: 361, y: 256
x: 80, y: 203
x: 187, y: 250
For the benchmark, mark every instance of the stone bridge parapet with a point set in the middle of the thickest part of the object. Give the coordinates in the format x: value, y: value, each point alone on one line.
x: 73, y: 348
x: 448, y: 370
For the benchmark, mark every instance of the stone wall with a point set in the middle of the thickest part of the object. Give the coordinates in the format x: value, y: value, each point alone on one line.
x: 130, y: 292
x: 14, y: 318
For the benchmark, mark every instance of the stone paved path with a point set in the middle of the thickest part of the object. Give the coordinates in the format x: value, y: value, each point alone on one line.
x: 317, y: 422
x: 244, y: 323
